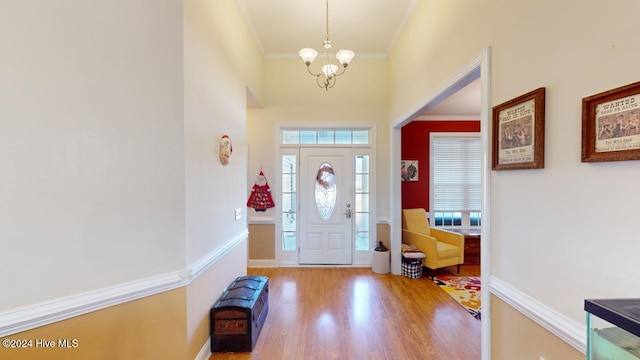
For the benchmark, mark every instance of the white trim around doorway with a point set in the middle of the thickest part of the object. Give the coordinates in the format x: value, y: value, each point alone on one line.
x: 478, y: 67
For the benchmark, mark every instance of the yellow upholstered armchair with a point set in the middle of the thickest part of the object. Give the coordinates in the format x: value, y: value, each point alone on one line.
x: 442, y: 248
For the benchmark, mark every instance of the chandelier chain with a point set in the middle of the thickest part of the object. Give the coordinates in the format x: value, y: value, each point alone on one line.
x: 327, y: 3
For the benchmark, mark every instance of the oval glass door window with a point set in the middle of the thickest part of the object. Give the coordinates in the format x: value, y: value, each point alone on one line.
x: 325, y: 191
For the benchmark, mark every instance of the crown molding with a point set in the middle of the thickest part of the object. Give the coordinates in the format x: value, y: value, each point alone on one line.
x: 290, y: 56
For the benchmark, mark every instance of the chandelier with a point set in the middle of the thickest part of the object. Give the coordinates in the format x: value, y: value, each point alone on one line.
x: 327, y: 77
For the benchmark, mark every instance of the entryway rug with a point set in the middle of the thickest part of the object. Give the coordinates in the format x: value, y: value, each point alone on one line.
x: 464, y: 289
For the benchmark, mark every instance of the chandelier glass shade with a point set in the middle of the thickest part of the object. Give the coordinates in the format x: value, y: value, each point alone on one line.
x: 327, y: 77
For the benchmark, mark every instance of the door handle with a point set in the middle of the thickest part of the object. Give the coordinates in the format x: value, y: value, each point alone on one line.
x: 347, y: 214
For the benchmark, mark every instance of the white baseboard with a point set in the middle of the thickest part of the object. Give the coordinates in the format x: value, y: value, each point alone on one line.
x: 558, y: 324
x: 205, y: 351
x: 18, y: 320
x: 362, y: 264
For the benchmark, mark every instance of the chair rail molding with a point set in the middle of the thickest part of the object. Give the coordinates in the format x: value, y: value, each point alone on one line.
x: 558, y: 324
x: 22, y: 319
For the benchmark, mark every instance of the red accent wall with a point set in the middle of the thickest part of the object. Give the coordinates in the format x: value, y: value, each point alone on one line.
x: 415, y: 146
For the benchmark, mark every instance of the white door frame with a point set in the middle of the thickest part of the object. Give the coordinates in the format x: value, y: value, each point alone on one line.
x: 478, y: 67
x: 360, y: 258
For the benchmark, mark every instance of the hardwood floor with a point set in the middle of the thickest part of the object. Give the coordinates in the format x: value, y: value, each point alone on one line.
x: 354, y: 313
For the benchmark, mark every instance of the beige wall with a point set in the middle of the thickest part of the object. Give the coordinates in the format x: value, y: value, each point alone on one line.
x: 221, y: 64
x: 218, y: 51
x: 170, y: 325
x: 150, y: 328
x: 204, y: 292
x: 384, y: 234
x: 113, y: 184
x: 555, y: 221
x: 90, y: 147
x: 439, y: 38
x: 515, y: 336
x: 262, y: 241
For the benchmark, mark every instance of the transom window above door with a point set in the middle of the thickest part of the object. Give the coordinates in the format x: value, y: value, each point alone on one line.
x: 325, y: 137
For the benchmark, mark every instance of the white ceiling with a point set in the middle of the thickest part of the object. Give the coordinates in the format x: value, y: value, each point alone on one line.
x: 368, y: 27
x: 462, y: 105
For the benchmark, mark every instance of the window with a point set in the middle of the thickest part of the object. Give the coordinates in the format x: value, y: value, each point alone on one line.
x: 325, y: 137
x: 325, y: 192
x: 362, y: 203
x: 289, y: 208
x: 456, y: 190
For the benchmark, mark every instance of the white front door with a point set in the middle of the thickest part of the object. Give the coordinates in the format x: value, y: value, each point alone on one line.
x: 326, y: 206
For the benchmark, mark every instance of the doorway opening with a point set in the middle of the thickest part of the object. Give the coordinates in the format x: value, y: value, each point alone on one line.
x: 476, y: 69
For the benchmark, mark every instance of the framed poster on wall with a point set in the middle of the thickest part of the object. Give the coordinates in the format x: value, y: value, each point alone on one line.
x: 518, y: 132
x: 611, y: 125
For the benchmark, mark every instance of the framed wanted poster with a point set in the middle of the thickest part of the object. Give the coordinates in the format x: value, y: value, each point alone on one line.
x: 518, y: 132
x: 611, y: 125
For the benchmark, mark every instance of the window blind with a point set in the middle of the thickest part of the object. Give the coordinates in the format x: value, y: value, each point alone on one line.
x: 456, y: 173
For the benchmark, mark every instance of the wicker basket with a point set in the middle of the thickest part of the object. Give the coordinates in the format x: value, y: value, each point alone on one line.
x: 412, y: 268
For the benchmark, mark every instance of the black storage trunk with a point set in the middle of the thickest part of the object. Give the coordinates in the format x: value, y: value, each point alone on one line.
x: 238, y: 315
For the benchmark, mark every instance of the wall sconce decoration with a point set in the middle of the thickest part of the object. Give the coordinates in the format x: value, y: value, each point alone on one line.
x: 225, y: 150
